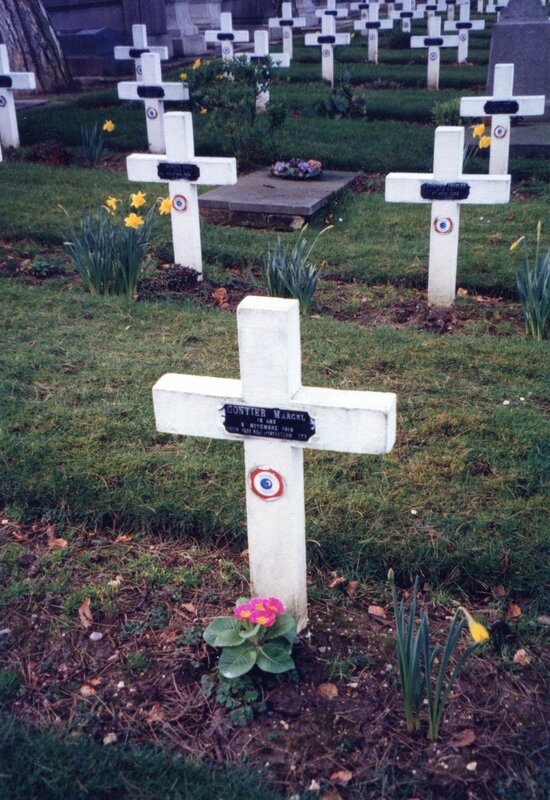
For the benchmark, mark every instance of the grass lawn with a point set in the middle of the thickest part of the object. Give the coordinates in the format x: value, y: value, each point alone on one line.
x: 148, y: 531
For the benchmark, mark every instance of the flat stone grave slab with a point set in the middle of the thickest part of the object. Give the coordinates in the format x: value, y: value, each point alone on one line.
x: 259, y: 200
x: 531, y: 138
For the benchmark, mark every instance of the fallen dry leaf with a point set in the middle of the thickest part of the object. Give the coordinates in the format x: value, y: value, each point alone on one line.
x: 86, y: 690
x: 220, y: 297
x: 189, y: 607
x: 110, y: 738
x: 331, y: 794
x: 377, y: 611
x: 522, y: 658
x: 328, y: 691
x: 499, y: 591
x: 462, y: 292
x: 341, y: 777
x: 123, y: 537
x: 463, y: 738
x: 85, y: 613
x: 156, y: 714
x: 514, y: 611
x: 116, y: 581
x: 351, y: 588
x: 54, y: 541
x: 336, y: 582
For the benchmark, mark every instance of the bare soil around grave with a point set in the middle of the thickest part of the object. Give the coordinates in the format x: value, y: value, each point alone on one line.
x: 137, y: 669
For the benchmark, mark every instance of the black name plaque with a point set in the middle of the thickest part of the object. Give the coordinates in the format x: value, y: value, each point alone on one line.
x: 463, y: 26
x: 444, y: 191
x: 270, y: 423
x: 136, y: 52
x: 225, y: 37
x: 286, y: 23
x: 326, y: 39
x: 433, y: 41
x: 372, y: 24
x: 501, y: 107
x: 168, y: 171
x: 152, y: 92
x: 5, y: 82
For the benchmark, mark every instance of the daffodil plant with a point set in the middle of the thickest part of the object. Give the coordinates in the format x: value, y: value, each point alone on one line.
x: 109, y: 246
x: 258, y: 633
x: 417, y: 660
x: 481, y: 141
x: 93, y: 140
x: 533, y: 283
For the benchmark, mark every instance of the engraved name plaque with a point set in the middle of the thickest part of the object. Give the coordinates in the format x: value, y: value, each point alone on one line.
x: 153, y: 92
x: 444, y: 191
x: 271, y: 423
x: 501, y: 107
x: 168, y: 171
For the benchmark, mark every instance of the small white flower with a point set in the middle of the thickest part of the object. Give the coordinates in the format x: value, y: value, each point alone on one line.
x: 414, y: 512
x: 471, y: 766
x: 505, y: 402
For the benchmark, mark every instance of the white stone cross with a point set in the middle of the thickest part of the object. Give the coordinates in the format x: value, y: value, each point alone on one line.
x: 9, y: 132
x: 501, y: 107
x: 447, y: 188
x: 332, y: 10
x: 434, y: 42
x: 183, y: 171
x: 286, y: 22
x: 463, y: 26
x: 225, y: 36
x: 363, y: 9
x: 429, y: 9
x: 153, y: 92
x: 327, y: 39
x: 138, y: 48
x: 406, y: 14
x: 260, y: 55
x: 496, y: 8
x: 372, y: 25
x: 276, y: 418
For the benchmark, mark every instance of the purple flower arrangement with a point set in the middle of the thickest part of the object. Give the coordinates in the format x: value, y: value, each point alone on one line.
x: 297, y: 169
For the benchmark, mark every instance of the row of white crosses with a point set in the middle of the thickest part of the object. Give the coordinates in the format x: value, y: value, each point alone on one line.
x: 327, y: 40
x: 372, y: 24
x: 226, y: 36
x: 446, y: 188
x: 276, y: 418
x: 9, y: 131
x: 286, y: 23
x: 434, y: 41
x: 463, y: 26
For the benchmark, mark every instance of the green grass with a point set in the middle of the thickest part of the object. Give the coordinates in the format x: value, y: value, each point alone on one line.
x: 79, y: 446
x: 43, y: 766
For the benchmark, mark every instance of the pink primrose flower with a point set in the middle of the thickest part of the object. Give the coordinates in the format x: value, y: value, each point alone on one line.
x: 273, y: 605
x: 243, y: 612
x: 262, y: 618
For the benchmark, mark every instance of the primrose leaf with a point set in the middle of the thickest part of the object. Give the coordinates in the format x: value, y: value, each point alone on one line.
x: 228, y: 638
x: 217, y: 626
x: 235, y: 661
x: 285, y: 625
x: 275, y: 657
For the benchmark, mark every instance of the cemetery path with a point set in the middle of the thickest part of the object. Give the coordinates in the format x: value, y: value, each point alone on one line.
x: 124, y: 658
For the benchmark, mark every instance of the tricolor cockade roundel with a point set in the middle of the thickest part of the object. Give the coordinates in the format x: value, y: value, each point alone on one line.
x: 266, y: 483
x: 443, y: 224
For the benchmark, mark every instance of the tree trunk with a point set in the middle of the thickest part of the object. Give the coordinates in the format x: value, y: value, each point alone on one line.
x: 32, y: 44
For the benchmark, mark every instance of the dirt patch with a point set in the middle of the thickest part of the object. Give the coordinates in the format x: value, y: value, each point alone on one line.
x: 131, y: 664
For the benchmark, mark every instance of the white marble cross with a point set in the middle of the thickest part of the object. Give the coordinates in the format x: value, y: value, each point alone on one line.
x: 9, y: 132
x: 332, y: 10
x: 138, y: 48
x: 226, y: 36
x: 434, y: 42
x: 260, y: 55
x: 372, y: 25
x: 429, y: 9
x: 276, y: 418
x: 327, y: 40
x: 286, y: 22
x: 463, y: 26
x: 363, y: 9
x: 183, y: 171
x: 446, y: 188
x: 153, y: 92
x: 496, y: 8
x: 406, y: 14
x: 501, y: 107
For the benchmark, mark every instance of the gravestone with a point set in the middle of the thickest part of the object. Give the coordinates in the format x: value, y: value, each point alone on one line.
x: 276, y: 418
x: 153, y: 92
x: 225, y: 37
x: 362, y: 9
x: 185, y: 35
x: 332, y: 10
x: 406, y: 14
x: 261, y: 55
x: 286, y: 23
x: 184, y: 172
x: 446, y: 188
x: 501, y: 107
x: 327, y: 41
x: 372, y: 25
x: 9, y: 131
x: 522, y: 37
x: 434, y: 41
x: 138, y: 47
x: 463, y: 26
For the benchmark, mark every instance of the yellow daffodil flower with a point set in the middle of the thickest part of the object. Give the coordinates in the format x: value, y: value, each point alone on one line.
x: 112, y: 203
x: 183, y: 76
x: 484, y: 142
x: 165, y: 205
x: 196, y: 63
x: 108, y: 126
x: 478, y: 632
x: 478, y: 130
x: 203, y: 110
x: 516, y: 243
x: 133, y: 221
x: 138, y: 199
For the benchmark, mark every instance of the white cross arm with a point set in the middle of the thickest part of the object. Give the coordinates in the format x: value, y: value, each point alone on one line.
x: 123, y: 53
x: 213, y: 171
x: 417, y: 14
x: 464, y: 25
x: 281, y: 22
x: 217, y: 37
x: 434, y: 41
x: 322, y: 38
x: 345, y: 421
x: 130, y: 90
x: 19, y: 80
x: 410, y: 187
x: 530, y: 105
x: 378, y: 24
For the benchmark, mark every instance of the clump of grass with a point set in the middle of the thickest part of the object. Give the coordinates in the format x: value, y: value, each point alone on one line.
x: 533, y: 283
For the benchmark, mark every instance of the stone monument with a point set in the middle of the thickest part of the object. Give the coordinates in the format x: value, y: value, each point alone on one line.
x: 522, y: 37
